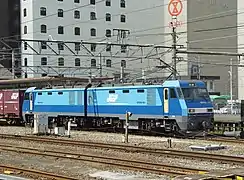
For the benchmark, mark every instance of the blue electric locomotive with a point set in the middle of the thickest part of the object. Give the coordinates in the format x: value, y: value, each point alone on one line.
x: 176, y: 105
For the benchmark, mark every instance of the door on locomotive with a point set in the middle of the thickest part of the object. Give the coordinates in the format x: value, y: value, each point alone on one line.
x: 172, y: 101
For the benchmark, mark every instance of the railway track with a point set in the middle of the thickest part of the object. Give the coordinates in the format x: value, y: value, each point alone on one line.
x: 128, y: 148
x: 35, y: 173
x: 226, y: 140
x: 162, y: 169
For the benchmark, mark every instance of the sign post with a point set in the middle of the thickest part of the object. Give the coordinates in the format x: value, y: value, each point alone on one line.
x: 127, y: 116
x: 175, y: 8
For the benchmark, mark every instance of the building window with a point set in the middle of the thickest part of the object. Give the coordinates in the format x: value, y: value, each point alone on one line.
x: 25, y: 12
x: 76, y: 1
x: 108, y: 17
x: 123, y: 48
x: 44, y: 45
x: 25, y: 62
x: 60, y: 0
x: 43, y: 11
x: 60, y: 61
x: 108, y: 47
x: 93, y: 63
x: 77, y: 46
x: 77, y: 31
x: 122, y: 18
x: 43, y: 28
x: 93, y: 32
x: 108, y: 63
x: 108, y: 3
x: 25, y: 45
x: 43, y: 61
x: 25, y: 29
x: 44, y: 75
x: 77, y: 61
x: 92, y: 16
x: 77, y: 14
x: 60, y: 13
x: 93, y: 2
x: 123, y: 63
x: 108, y: 33
x: 60, y: 46
x: 93, y: 47
x: 60, y: 30
x: 122, y: 3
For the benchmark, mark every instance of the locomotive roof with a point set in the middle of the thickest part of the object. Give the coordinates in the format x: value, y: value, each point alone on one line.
x: 169, y: 83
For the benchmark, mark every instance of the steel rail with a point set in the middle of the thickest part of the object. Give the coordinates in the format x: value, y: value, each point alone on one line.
x: 226, y: 140
x: 162, y: 169
x: 36, y: 173
x: 164, y: 152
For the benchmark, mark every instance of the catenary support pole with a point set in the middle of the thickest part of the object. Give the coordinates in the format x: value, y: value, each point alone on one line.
x: 13, y: 64
x: 174, y: 52
x: 231, y: 87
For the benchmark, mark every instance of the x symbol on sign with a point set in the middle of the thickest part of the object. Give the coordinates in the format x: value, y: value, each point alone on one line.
x: 175, y: 10
x: 175, y: 7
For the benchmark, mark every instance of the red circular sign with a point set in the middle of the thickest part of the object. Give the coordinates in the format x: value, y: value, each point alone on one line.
x: 175, y: 7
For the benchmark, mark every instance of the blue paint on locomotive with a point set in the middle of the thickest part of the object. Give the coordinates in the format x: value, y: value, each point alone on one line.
x: 142, y: 101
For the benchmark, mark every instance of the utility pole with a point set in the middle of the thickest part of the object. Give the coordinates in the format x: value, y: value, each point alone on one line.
x: 174, y: 52
x: 231, y: 86
x: 100, y: 64
x: 199, y: 68
x: 121, y: 36
x: 13, y: 64
x: 122, y: 72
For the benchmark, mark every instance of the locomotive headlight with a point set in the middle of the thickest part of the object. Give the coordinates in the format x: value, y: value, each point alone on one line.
x: 191, y: 110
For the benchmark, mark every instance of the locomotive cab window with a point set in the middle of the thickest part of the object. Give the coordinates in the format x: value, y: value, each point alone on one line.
x: 172, y: 93
x: 27, y: 96
x: 39, y: 93
x: 180, y: 94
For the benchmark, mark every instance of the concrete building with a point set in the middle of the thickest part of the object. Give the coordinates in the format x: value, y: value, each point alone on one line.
x: 93, y: 21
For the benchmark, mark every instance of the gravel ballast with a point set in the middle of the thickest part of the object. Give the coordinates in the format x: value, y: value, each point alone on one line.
x: 92, y: 170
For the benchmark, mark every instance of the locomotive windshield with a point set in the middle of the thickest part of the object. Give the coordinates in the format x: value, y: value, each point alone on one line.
x: 195, y: 94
